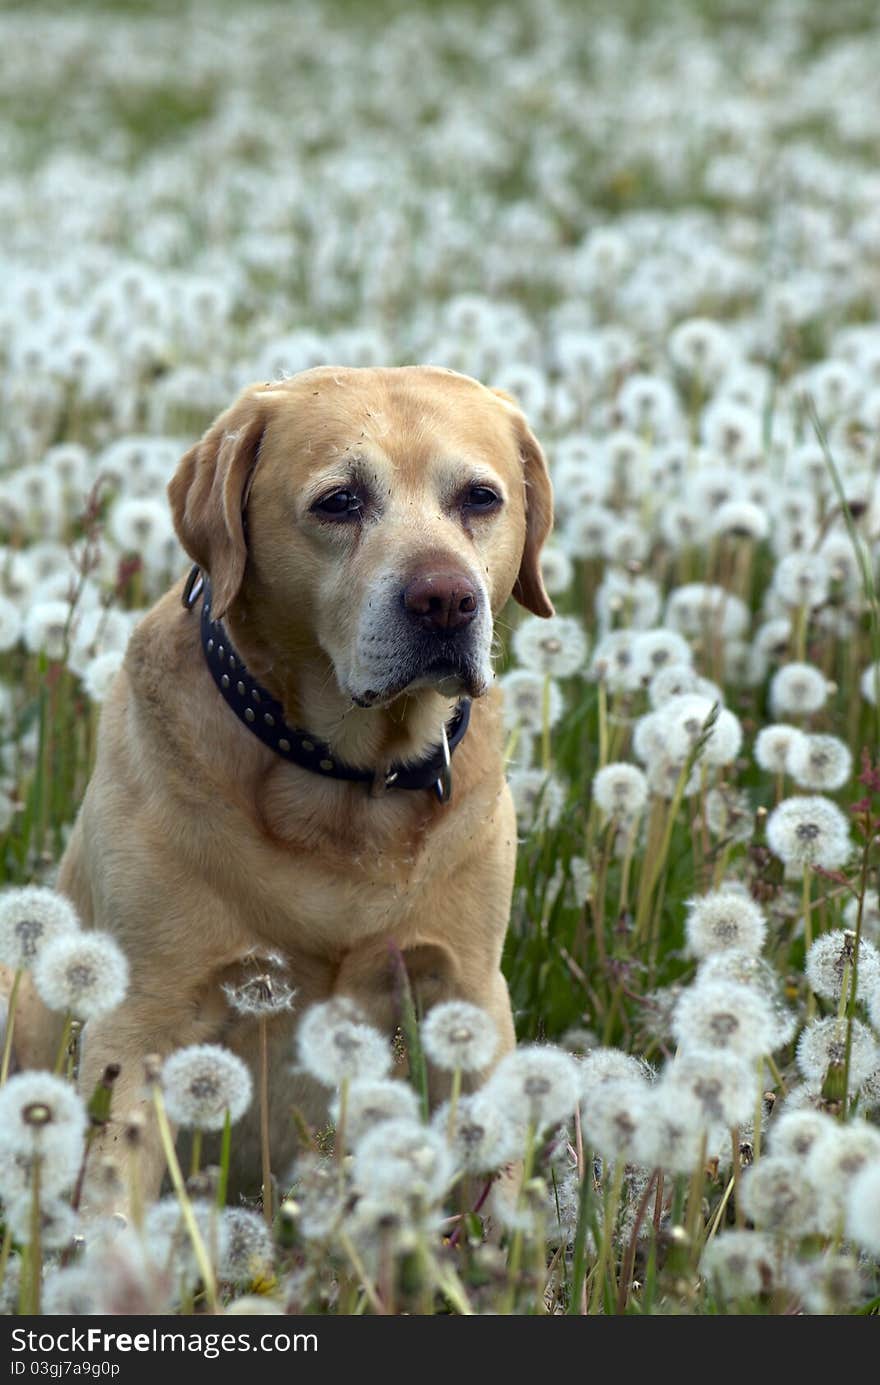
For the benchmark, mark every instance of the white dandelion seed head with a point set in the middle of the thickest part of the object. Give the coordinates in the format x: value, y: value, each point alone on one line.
x: 11, y: 624
x: 664, y: 776
x: 772, y: 638
x: 456, y: 1034
x: 371, y: 1101
x: 46, y: 628
x: 655, y: 650
x: 685, y: 723
x: 869, y: 684
x: 740, y: 519
x: 58, y: 1221
x: 248, y: 1248
x: 264, y: 986
x: 170, y: 1245
x: 699, y: 609
x: 613, y: 1114
x: 747, y: 969
x: 681, y: 680
x: 557, y: 646
x: 726, y: 1016
x: 625, y: 540
x: 100, y: 673
x: 335, y: 1044
x: 831, y: 957
x: 870, y: 915
x: 139, y: 524
x: 724, y: 1084
x: 742, y: 1263
x: 648, y: 742
x: 802, y: 579
x: 797, y: 690
x: 202, y: 1082
x: 76, y: 1291
x: 42, y: 1115
x: 59, y: 1160
x: 557, y: 569
x: 823, y: 1042
x: 773, y: 745
x: 819, y: 762
x: 484, y: 1135
x: 829, y: 1284
x: 613, y: 661
x: 403, y: 1159
x: 523, y: 692
x: 581, y: 876
x: 322, y: 1198
x: 724, y: 919
x: 536, y: 1084
x: 729, y: 814
x: 794, y: 1132
x: 85, y: 974
x: 585, y: 528
x: 777, y: 1196
x: 626, y: 599
x: 538, y: 798
x: 670, y: 1134
x: 620, y: 791
x: 834, y: 1163
x: 603, y: 1065
x: 30, y: 916
x: 809, y: 830
x: 863, y: 1209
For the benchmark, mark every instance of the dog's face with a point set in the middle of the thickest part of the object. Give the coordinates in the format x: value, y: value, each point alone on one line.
x: 390, y: 514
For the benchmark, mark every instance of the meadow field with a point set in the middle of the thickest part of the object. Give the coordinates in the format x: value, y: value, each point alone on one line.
x: 658, y: 227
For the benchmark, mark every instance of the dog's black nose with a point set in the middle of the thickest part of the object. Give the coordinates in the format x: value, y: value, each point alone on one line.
x: 442, y: 601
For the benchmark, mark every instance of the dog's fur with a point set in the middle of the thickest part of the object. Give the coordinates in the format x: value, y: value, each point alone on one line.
x: 196, y: 845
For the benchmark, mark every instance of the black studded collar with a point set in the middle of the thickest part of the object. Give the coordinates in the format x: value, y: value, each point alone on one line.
x: 263, y: 714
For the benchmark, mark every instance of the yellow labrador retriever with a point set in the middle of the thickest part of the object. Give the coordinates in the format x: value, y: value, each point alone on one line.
x: 276, y: 756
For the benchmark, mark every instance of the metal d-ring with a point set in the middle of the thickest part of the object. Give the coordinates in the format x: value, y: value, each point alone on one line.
x: 193, y: 588
x: 443, y: 784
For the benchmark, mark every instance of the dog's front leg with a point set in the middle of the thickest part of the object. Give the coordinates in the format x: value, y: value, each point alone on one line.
x: 127, y: 1162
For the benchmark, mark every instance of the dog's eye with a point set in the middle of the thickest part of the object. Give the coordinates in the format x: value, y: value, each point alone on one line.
x: 340, y: 504
x: 480, y: 498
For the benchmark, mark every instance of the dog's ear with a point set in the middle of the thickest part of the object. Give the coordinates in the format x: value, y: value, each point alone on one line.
x: 208, y: 493
x: 529, y: 589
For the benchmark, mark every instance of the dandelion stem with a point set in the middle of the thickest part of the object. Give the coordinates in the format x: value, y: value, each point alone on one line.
x: 602, y: 705
x: 186, y: 1210
x: 360, y: 1270
x: 35, y: 1258
x: 196, y: 1153
x: 61, y: 1055
x: 626, y: 1272
x: 225, y: 1153
x: 10, y: 1022
x: 612, y: 1203
x: 806, y: 908
x: 546, y: 753
x: 4, y: 1252
x: 516, y: 1246
x: 453, y: 1103
x: 264, y: 1121
x: 719, y: 1211
x: 736, y: 1169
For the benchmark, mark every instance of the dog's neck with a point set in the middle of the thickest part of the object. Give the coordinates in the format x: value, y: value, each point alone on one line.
x: 304, y: 682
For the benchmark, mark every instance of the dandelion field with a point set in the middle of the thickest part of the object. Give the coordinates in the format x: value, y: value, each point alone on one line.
x: 658, y: 228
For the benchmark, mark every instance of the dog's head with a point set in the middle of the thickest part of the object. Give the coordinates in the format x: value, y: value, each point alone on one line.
x: 385, y: 515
